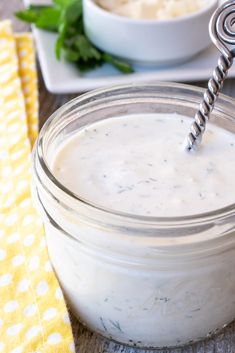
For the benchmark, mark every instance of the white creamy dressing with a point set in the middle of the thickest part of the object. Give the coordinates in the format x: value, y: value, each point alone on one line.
x: 144, y: 290
x: 153, y: 9
x: 136, y: 164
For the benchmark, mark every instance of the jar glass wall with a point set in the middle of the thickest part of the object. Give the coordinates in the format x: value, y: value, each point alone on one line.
x: 142, y: 281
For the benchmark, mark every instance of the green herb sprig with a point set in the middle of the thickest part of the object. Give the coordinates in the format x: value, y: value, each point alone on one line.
x: 65, y: 17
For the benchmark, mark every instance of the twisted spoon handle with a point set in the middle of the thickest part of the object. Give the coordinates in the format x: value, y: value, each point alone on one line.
x: 221, y: 32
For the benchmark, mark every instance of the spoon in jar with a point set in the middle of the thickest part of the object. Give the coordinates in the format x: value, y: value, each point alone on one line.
x: 222, y: 34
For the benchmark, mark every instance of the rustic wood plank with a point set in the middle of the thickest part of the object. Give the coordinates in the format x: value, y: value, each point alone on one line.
x: 87, y: 342
x: 7, y: 10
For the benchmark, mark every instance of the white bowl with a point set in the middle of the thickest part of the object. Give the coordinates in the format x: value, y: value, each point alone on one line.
x: 149, y: 41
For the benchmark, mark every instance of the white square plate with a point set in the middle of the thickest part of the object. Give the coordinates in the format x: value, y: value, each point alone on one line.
x: 64, y: 77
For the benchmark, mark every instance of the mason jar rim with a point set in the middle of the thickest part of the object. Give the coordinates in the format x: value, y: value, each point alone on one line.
x: 94, y: 95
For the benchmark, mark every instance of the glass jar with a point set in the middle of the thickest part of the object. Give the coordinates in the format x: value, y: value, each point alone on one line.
x: 143, y: 281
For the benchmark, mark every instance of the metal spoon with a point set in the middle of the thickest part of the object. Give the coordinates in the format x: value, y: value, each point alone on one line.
x: 222, y: 34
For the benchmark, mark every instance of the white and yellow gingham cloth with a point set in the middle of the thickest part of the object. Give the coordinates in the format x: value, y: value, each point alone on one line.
x: 33, y: 314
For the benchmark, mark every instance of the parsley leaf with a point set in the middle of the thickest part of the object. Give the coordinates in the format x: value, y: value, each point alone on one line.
x: 66, y: 18
x: 73, y: 12
x: 31, y: 14
x: 49, y: 19
x: 119, y: 64
x: 62, y: 3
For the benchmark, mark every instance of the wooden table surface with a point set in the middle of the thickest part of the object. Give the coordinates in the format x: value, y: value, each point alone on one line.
x: 87, y: 342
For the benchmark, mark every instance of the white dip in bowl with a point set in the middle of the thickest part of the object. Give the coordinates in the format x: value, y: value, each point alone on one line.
x: 154, y: 41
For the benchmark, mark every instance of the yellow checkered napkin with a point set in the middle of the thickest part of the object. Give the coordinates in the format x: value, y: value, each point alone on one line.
x: 33, y: 315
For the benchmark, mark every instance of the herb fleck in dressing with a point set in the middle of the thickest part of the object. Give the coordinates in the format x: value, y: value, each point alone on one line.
x: 136, y: 164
